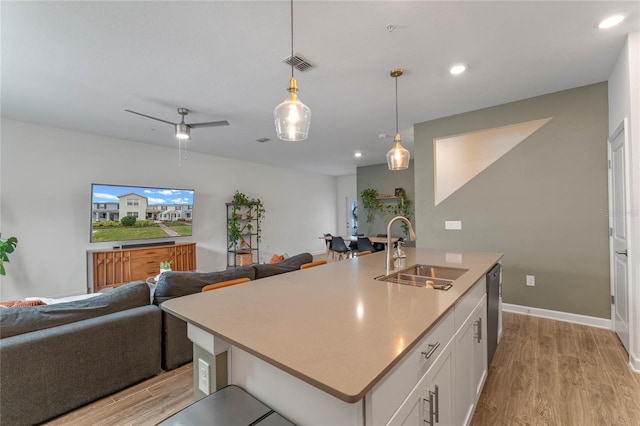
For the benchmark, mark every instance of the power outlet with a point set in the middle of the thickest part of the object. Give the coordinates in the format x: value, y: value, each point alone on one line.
x: 531, y: 280
x: 203, y: 376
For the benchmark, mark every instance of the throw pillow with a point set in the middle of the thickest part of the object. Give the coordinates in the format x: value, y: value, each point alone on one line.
x: 14, y: 303
x: 276, y: 258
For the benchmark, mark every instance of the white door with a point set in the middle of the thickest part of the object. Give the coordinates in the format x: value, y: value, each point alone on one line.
x: 618, y: 232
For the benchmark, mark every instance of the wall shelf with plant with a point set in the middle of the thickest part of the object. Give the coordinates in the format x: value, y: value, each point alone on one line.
x: 376, y: 204
x: 244, y: 226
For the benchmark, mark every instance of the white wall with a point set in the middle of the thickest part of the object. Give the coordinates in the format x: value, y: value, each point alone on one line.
x: 624, y: 101
x: 46, y: 176
x: 346, y: 189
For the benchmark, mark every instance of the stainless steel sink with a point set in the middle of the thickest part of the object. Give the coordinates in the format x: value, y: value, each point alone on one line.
x: 429, y: 276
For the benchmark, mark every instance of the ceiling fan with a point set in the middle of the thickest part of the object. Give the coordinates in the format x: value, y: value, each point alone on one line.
x: 183, y: 130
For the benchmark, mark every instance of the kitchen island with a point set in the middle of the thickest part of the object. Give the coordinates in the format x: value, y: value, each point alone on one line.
x: 332, y: 345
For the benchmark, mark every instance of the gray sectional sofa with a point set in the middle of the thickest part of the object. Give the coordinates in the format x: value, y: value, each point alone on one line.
x: 56, y: 358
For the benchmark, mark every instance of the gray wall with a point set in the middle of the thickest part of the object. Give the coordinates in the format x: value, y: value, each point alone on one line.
x: 543, y: 204
x: 385, y: 181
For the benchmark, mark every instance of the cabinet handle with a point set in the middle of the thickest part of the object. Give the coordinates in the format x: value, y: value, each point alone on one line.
x: 430, y: 402
x: 437, y: 410
x: 432, y: 349
x: 478, y: 335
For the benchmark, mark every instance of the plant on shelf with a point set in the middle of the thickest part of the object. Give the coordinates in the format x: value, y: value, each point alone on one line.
x: 6, y: 247
x: 254, y: 210
x: 371, y: 203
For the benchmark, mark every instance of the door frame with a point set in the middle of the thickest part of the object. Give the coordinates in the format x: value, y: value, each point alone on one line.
x: 623, y: 127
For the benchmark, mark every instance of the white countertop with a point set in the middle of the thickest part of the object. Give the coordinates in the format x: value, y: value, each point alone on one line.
x: 332, y: 326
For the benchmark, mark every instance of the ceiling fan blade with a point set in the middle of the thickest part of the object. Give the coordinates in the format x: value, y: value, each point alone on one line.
x: 148, y: 116
x: 209, y: 124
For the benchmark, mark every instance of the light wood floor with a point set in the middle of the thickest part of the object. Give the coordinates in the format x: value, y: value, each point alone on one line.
x: 544, y: 372
x: 146, y: 403
x: 547, y: 372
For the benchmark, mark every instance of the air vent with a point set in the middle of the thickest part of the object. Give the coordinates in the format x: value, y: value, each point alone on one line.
x: 299, y: 63
x: 263, y: 140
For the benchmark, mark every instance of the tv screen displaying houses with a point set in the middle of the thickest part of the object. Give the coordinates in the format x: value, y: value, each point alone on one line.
x: 124, y: 213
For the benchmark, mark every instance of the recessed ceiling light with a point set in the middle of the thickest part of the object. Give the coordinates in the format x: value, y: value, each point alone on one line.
x: 357, y: 154
x: 457, y: 69
x: 611, y: 21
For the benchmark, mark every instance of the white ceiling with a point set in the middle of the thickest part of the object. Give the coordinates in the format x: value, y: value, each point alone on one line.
x: 79, y: 65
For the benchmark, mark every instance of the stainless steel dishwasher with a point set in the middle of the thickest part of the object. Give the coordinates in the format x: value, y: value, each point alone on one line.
x: 493, y: 307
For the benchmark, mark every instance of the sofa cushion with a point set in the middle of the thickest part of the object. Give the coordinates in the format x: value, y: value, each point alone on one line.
x: 175, y: 284
x: 21, y: 320
x: 291, y: 264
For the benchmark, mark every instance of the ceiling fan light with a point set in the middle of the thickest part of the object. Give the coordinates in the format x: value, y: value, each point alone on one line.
x: 292, y: 117
x: 398, y: 157
x: 183, y: 131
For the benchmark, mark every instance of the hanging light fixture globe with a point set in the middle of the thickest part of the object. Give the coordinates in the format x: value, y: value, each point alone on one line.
x: 292, y: 117
x: 398, y: 157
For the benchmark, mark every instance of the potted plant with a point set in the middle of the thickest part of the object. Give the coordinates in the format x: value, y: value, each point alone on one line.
x: 371, y: 203
x: 253, y: 208
x: 165, y: 266
x: 6, y: 247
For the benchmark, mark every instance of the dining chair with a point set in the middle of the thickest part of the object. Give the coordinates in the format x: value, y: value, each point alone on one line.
x: 312, y: 264
x: 338, y: 247
x: 222, y: 284
x: 364, y: 244
x: 380, y: 246
x: 327, y: 239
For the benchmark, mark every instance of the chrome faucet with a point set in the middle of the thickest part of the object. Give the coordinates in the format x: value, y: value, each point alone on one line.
x: 412, y: 236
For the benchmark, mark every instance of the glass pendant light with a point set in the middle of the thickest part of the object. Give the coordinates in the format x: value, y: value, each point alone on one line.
x: 398, y: 157
x: 292, y: 117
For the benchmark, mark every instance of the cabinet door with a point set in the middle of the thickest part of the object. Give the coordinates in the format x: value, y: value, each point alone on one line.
x: 431, y: 401
x: 479, y: 350
x: 411, y: 412
x: 438, y: 402
x: 471, y: 362
x: 463, y: 374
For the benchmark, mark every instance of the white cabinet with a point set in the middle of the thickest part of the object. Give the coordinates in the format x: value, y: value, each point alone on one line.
x: 431, y: 401
x: 471, y: 362
x: 439, y: 381
x: 403, y: 379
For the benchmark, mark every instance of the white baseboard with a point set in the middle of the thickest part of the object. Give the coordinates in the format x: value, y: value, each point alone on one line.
x: 559, y: 316
x: 634, y: 363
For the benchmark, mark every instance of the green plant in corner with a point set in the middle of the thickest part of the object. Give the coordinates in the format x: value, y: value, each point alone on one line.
x: 165, y: 265
x: 6, y: 247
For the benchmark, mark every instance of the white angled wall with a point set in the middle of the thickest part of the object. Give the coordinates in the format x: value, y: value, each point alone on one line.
x: 46, y: 176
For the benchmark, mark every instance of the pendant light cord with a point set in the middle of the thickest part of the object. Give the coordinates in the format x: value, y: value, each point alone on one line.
x: 291, y: 38
x: 396, y: 105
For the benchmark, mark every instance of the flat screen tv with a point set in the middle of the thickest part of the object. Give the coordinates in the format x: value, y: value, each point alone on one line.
x: 123, y: 213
